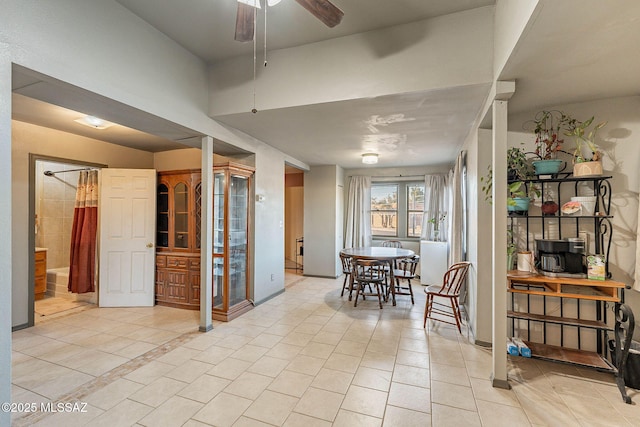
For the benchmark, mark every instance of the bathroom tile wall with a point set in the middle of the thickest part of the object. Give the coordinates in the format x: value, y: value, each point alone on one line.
x: 55, y: 200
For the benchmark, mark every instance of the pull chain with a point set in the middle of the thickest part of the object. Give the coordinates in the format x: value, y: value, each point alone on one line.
x: 265, y: 33
x: 255, y: 21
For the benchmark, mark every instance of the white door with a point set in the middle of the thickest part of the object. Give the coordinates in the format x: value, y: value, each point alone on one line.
x: 127, y: 237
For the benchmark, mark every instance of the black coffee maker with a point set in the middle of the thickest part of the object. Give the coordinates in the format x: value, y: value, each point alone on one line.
x: 562, y: 257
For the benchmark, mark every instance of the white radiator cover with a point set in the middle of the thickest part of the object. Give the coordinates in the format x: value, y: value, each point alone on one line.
x: 433, y: 261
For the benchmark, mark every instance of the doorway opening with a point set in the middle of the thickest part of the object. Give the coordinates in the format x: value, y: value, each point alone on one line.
x: 294, y: 222
x: 53, y: 192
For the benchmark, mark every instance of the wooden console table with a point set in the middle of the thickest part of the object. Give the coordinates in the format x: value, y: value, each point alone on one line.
x: 600, y: 291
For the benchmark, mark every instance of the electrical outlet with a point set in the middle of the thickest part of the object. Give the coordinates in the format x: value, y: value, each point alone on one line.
x: 273, y: 276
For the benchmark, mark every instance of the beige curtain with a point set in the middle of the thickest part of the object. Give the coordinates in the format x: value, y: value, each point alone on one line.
x: 358, y: 226
x: 636, y: 283
x: 82, y: 267
x: 457, y: 238
x: 436, y: 205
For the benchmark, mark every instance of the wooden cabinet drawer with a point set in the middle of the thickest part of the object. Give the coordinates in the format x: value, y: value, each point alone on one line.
x: 194, y: 264
x: 40, y: 286
x: 176, y: 262
x: 41, y: 269
x: 161, y: 261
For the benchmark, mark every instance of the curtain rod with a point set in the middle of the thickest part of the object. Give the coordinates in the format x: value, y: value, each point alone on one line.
x: 51, y: 173
x: 390, y: 176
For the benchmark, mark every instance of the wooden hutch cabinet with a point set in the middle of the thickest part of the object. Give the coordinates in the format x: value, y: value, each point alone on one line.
x: 178, y: 239
x: 231, y: 225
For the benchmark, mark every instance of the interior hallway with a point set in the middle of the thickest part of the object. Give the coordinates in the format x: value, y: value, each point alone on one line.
x: 305, y: 358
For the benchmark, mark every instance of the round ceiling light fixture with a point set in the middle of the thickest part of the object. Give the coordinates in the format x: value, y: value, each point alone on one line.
x: 370, y: 158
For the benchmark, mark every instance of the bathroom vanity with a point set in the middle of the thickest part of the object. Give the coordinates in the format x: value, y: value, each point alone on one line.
x: 40, y: 276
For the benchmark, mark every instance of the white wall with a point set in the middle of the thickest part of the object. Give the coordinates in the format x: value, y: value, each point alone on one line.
x: 6, y: 232
x: 479, y: 283
x: 321, y: 229
x: 441, y: 52
x: 269, y: 223
x: 511, y: 18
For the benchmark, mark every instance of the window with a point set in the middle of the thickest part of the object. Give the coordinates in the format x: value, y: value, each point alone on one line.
x: 384, y: 210
x: 397, y: 209
x: 415, y: 209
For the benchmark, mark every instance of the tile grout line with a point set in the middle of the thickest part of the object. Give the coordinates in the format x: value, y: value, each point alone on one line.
x: 109, y: 377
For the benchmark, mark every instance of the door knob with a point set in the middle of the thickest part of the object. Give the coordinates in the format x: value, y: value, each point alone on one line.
x: 149, y: 245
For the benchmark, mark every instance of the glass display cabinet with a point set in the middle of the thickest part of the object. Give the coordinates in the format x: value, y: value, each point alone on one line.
x: 231, y: 225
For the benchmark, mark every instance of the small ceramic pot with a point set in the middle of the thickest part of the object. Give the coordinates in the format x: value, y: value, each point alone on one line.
x: 587, y: 169
x: 547, y: 167
x: 549, y: 208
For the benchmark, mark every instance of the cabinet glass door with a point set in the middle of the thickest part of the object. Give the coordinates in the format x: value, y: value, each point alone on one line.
x: 181, y: 215
x: 162, y: 219
x: 218, y: 213
x: 198, y: 215
x: 218, y: 283
x: 238, y: 224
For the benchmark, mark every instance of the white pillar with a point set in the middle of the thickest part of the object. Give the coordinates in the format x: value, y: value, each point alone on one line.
x: 499, y: 207
x: 206, y: 237
x: 5, y: 232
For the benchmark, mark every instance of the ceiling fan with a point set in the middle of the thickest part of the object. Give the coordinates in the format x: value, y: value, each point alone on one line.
x: 324, y: 10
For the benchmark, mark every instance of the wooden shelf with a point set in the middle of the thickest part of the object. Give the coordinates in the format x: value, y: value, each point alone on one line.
x: 569, y: 355
x: 594, y: 324
x: 565, y: 287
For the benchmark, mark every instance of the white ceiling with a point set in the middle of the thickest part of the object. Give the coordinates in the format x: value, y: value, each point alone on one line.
x: 410, y: 129
x: 206, y: 27
x: 569, y: 53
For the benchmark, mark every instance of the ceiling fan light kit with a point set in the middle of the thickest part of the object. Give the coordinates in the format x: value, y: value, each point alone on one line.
x: 324, y: 10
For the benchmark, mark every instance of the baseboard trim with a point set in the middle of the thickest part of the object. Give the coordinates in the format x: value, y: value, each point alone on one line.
x: 504, y: 384
x: 262, y: 301
x: 321, y: 277
x: 18, y: 327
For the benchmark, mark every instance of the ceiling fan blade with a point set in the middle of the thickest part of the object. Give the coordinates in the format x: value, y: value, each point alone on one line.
x: 244, y: 22
x: 324, y: 10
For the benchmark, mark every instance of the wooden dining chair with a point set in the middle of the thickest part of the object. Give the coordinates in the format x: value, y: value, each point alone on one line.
x: 392, y: 244
x: 368, y: 272
x: 406, y: 270
x: 346, y: 270
x: 449, y: 289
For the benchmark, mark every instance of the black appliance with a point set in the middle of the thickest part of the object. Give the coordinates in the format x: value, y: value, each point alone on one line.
x: 561, y: 257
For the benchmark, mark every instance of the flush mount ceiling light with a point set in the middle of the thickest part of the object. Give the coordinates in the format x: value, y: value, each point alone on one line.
x: 370, y: 158
x: 94, y: 122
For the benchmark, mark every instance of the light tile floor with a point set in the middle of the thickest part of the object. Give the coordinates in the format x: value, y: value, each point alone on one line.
x: 304, y: 358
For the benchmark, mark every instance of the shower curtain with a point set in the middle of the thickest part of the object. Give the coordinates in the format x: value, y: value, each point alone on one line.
x: 82, y: 266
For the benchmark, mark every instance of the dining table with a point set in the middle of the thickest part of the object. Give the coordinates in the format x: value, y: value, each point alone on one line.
x: 383, y: 254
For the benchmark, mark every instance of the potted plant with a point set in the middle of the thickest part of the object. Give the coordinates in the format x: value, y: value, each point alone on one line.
x: 520, y: 195
x: 519, y: 168
x: 436, y: 220
x: 587, y: 157
x: 518, y: 165
x: 546, y: 126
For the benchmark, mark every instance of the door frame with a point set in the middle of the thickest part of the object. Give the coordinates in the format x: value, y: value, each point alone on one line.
x: 33, y: 157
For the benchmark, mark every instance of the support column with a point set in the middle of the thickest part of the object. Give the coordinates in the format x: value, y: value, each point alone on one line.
x: 499, y: 267
x: 5, y: 231
x: 206, y: 237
